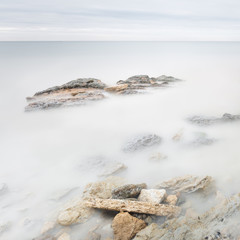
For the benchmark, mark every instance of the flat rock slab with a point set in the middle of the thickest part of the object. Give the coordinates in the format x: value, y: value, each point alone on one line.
x: 133, y: 206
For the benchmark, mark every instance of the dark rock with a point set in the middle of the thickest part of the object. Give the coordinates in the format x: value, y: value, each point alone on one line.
x: 128, y: 191
x: 142, y: 142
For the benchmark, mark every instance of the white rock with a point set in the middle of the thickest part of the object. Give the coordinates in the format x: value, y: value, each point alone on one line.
x: 152, y: 195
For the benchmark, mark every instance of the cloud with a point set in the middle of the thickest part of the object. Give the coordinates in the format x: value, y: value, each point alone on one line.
x: 120, y: 20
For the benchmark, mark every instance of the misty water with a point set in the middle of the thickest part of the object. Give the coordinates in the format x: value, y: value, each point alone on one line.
x: 43, y: 152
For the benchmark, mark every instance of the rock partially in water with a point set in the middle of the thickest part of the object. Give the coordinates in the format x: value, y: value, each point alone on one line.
x: 137, y: 83
x: 142, y: 142
x: 220, y: 222
x: 152, y: 195
x: 171, y: 199
x: 93, y: 236
x: 157, y: 157
x: 151, y: 232
x: 202, y: 139
x: 128, y: 191
x: 186, y: 184
x: 125, y: 226
x: 206, y: 121
x: 64, y: 236
x: 102, y: 189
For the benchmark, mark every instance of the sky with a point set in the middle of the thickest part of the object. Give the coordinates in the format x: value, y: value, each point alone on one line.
x: 120, y: 20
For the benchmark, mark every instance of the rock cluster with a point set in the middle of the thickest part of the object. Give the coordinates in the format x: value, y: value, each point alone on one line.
x: 83, y: 90
x: 206, y: 121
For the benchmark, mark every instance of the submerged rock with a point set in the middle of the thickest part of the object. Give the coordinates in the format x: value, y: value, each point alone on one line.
x: 151, y: 232
x: 128, y: 191
x: 142, y: 142
x: 186, y: 184
x: 126, y: 226
x: 206, y: 121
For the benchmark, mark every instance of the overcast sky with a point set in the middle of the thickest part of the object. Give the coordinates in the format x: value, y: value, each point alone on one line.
x: 174, y: 20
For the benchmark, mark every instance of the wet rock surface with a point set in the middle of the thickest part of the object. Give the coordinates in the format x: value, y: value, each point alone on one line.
x: 85, y: 90
x: 128, y: 191
x: 142, y: 142
x: 206, y: 121
x: 126, y: 226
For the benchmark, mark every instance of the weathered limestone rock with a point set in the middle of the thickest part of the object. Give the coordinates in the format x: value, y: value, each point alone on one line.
x: 126, y: 226
x: 102, y: 189
x: 77, y: 213
x: 151, y: 232
x: 152, y: 195
x: 171, y: 199
x: 133, y: 206
x: 117, y: 88
x: 186, y: 184
x: 220, y: 222
x: 128, y: 191
x: 64, y: 236
x: 206, y: 121
x: 142, y: 142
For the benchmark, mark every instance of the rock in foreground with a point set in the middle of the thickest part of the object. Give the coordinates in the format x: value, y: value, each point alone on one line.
x: 126, y: 226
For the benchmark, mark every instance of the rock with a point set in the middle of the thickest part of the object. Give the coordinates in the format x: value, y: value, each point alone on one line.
x: 77, y: 213
x: 4, y: 227
x: 101, y: 166
x: 126, y: 226
x: 128, y: 191
x: 102, y: 189
x: 64, y: 98
x: 157, y: 157
x: 133, y: 206
x: 178, y: 136
x: 117, y: 88
x: 47, y: 226
x: 220, y: 222
x: 151, y: 232
x: 93, y: 236
x: 152, y: 195
x: 201, y: 138
x: 79, y: 83
x: 206, y: 121
x: 171, y: 199
x: 165, y: 78
x: 186, y: 184
x: 142, y: 142
x: 64, y: 236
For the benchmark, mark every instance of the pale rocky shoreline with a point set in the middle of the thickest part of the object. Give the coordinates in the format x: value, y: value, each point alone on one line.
x: 119, y: 210
x: 85, y: 90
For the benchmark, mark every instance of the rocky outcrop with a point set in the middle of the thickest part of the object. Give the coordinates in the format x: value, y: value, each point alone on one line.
x: 128, y: 191
x: 126, y: 226
x: 133, y: 206
x: 206, y: 121
x: 142, y: 142
x: 186, y: 184
x: 220, y: 222
x: 84, y: 90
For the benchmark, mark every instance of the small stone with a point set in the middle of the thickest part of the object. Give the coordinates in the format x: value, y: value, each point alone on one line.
x: 64, y: 236
x: 157, y: 157
x: 68, y: 217
x: 150, y: 232
x: 152, y: 195
x: 128, y: 191
x: 117, y: 88
x: 125, y: 226
x: 171, y: 199
x: 93, y: 236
